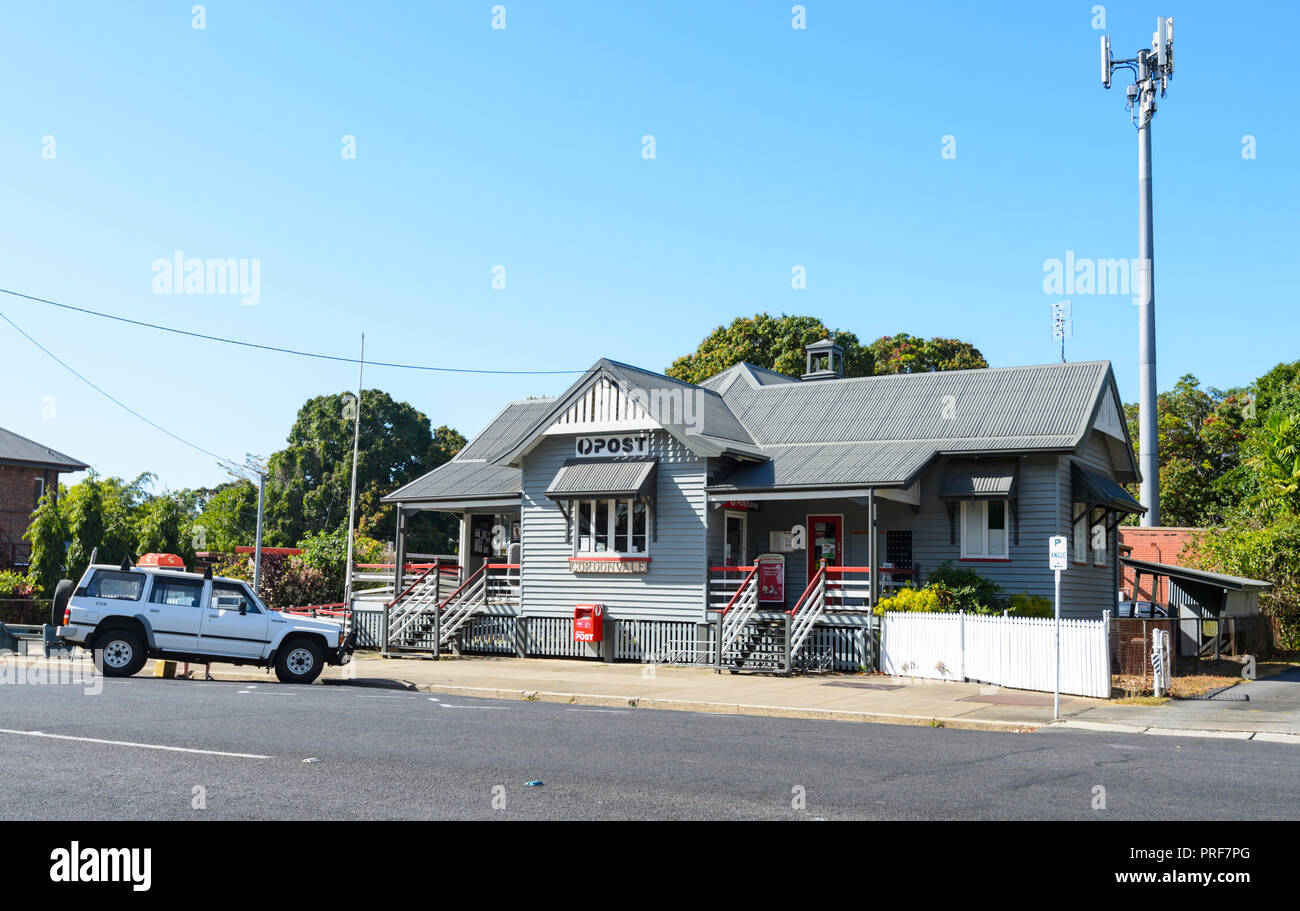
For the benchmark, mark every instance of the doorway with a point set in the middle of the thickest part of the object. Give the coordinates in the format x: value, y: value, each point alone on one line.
x: 825, y: 541
x: 735, y: 538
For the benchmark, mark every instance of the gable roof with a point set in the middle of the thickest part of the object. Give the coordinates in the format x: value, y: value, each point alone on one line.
x: 707, y: 428
x: 470, y: 476
x: 882, y: 431
x: 746, y: 372
x: 17, y: 450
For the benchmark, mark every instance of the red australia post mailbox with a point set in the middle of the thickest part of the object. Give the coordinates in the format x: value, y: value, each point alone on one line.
x: 589, y: 623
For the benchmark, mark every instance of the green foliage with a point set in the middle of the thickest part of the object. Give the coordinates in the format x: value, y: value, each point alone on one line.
x: 309, y: 481
x: 774, y: 342
x: 969, y: 590
x: 228, y: 517
x: 1274, y: 456
x: 162, y: 527
x: 15, y: 585
x: 47, y: 534
x: 913, y: 600
x: 286, y: 581
x: 903, y: 353
x: 1200, y: 433
x: 1258, y: 547
x: 1027, y: 605
x: 98, y: 513
x: 326, y: 553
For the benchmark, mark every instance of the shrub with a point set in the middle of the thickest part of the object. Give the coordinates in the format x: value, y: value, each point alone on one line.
x: 1026, y: 605
x: 912, y: 600
x: 18, y: 602
x: 970, y: 591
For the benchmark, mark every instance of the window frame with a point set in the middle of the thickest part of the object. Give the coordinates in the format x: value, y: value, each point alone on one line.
x: 160, y: 580
x: 610, y: 534
x: 983, y: 553
x: 143, y: 577
x: 1081, y: 540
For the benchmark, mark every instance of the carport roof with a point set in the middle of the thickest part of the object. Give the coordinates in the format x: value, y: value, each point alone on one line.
x: 1205, y: 577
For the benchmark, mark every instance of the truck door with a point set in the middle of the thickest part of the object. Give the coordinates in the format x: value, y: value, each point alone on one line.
x: 233, y: 623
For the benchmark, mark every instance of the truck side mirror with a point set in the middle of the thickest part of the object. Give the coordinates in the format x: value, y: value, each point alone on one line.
x: 243, y: 608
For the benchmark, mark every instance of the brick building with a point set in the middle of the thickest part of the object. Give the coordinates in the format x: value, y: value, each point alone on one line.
x: 27, y: 470
x: 1152, y: 545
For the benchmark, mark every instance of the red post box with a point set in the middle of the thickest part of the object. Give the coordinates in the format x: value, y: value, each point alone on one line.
x: 589, y: 623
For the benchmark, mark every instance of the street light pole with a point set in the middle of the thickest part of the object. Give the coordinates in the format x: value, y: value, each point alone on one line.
x: 352, y: 499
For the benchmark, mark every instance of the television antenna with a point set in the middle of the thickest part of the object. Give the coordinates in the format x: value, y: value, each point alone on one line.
x: 1151, y: 71
x: 1062, y: 324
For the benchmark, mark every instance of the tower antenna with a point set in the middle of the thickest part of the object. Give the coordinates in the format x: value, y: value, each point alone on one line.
x: 1151, y: 71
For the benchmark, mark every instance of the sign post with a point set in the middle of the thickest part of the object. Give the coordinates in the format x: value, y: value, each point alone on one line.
x: 1057, y: 562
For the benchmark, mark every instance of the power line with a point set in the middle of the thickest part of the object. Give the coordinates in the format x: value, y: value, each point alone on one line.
x: 116, y: 401
x: 274, y: 348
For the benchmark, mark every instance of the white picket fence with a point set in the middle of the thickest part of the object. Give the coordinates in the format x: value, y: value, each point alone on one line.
x: 1017, y: 652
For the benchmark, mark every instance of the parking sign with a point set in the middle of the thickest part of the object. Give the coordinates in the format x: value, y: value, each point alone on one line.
x: 1056, y: 552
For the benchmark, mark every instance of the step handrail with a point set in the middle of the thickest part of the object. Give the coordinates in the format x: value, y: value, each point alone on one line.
x: 406, y: 591
x: 739, y: 591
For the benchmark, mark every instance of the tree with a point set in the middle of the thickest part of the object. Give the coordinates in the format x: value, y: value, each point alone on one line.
x: 47, y: 535
x: 98, y: 515
x: 903, y: 353
x: 774, y: 342
x: 1200, y: 433
x: 309, y: 482
x: 164, y: 528
x: 228, y: 518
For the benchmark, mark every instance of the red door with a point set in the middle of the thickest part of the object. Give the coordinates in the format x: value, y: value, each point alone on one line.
x: 825, y: 542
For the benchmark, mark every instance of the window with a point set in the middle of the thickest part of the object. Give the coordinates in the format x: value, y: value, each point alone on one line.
x: 1099, y: 537
x: 118, y: 586
x: 38, y: 490
x: 984, y: 529
x: 178, y: 592
x: 611, y: 527
x: 1081, y: 532
x: 229, y: 596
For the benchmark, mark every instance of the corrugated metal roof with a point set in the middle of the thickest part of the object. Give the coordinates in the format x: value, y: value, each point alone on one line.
x: 1222, y: 580
x: 1052, y: 401
x: 469, y: 474
x: 872, y: 464
x: 604, y: 478
x: 1090, y: 487
x: 970, y: 478
x: 745, y: 372
x: 14, y: 448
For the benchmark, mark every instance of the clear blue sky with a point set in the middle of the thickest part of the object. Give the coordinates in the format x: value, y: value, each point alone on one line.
x: 522, y: 147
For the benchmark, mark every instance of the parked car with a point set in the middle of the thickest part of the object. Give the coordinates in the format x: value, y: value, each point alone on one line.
x: 133, y: 613
x: 1141, y: 609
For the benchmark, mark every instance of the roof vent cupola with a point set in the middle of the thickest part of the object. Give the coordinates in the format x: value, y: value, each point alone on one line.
x: 825, y: 360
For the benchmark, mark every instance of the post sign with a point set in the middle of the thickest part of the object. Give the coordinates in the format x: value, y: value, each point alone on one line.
x: 1056, y: 559
x: 612, y: 445
x: 1057, y: 552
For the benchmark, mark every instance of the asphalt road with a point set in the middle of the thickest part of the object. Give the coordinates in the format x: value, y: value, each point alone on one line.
x: 386, y: 754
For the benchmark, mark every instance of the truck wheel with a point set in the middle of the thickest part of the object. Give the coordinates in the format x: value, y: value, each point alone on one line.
x: 299, y: 661
x: 62, y: 594
x: 122, y: 650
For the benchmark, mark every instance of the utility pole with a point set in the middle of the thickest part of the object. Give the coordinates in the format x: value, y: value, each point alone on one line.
x: 257, y: 548
x: 1151, y: 70
x: 352, y: 500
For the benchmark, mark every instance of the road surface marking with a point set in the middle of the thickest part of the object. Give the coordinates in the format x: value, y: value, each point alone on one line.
x: 129, y: 743
x: 608, y: 711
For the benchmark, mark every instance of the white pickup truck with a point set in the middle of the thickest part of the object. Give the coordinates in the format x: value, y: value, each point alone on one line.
x: 133, y: 613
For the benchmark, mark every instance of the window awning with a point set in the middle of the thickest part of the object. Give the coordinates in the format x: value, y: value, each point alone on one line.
x: 1101, y: 492
x: 980, y: 479
x: 580, y: 479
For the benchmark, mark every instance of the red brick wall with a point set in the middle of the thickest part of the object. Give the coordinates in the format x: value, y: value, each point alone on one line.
x: 1155, y: 545
x: 17, y: 489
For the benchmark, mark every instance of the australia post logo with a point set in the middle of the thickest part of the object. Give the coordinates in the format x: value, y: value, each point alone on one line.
x: 613, y: 445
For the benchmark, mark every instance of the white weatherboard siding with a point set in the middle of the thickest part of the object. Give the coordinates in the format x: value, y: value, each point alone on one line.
x: 672, y: 589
